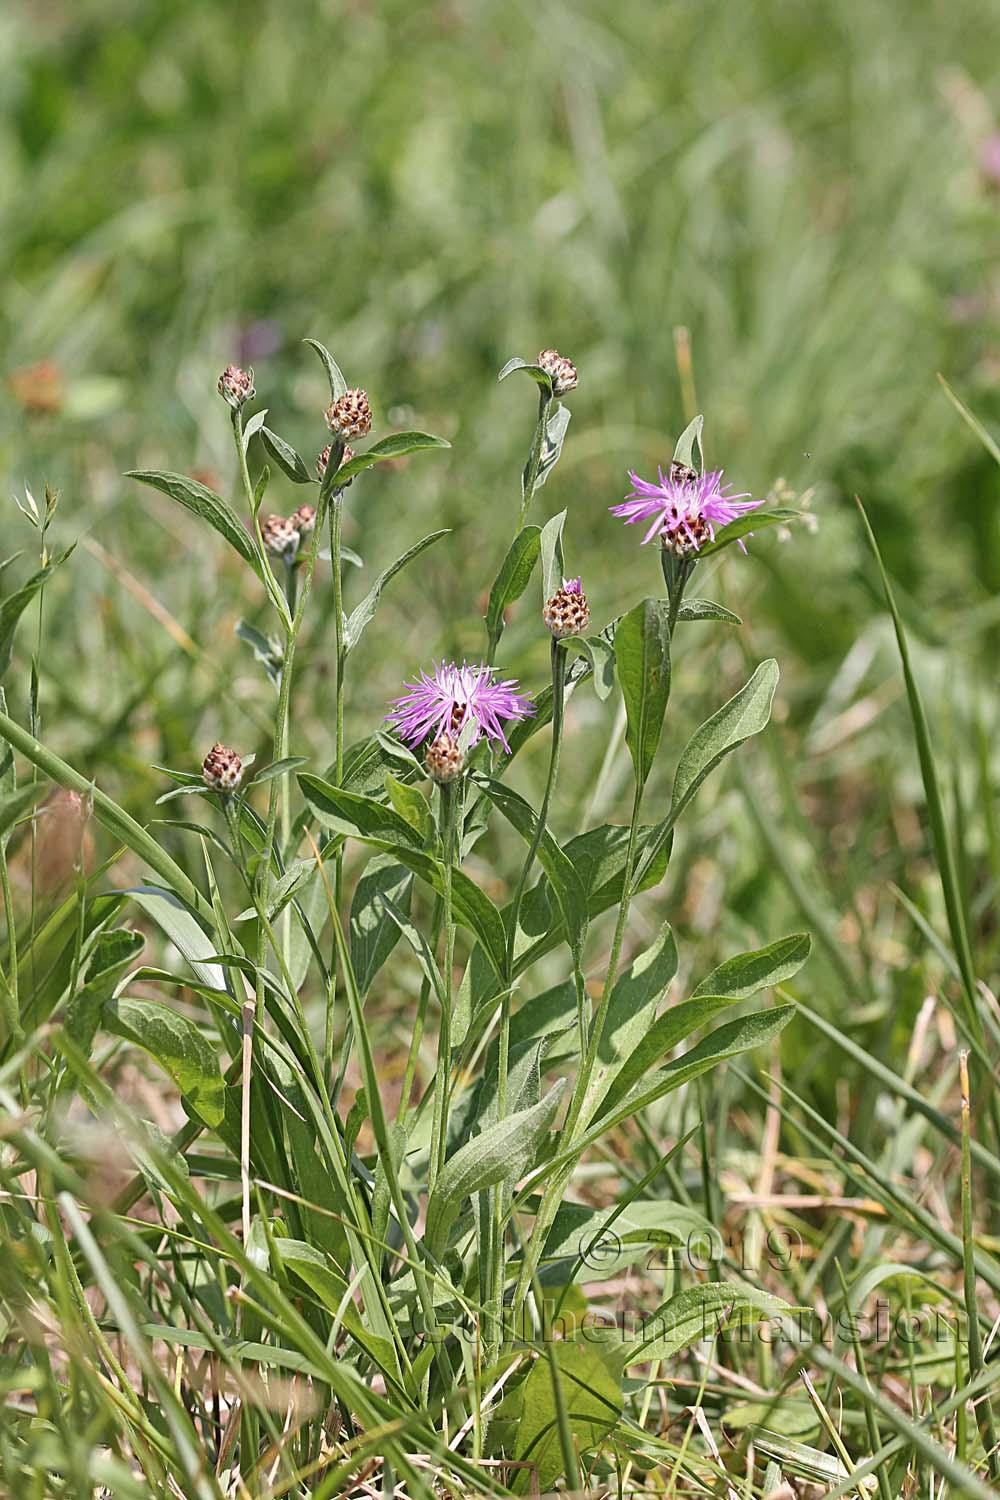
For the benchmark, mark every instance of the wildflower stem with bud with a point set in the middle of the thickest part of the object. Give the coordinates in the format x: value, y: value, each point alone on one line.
x: 450, y: 795
x: 530, y: 481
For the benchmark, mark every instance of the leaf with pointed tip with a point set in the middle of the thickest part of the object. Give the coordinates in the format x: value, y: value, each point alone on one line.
x: 688, y: 450
x: 373, y: 932
x: 396, y: 445
x: 707, y: 609
x: 341, y: 811
x: 700, y: 1312
x: 13, y: 607
x: 364, y: 613
x: 266, y: 649
x: 538, y: 375
x: 338, y: 385
x: 746, y: 714
x: 285, y: 456
x: 513, y: 578
x: 552, y: 555
x: 553, y: 438
x: 601, y: 655
x: 176, y: 1043
x: 255, y: 423
x: 502, y: 1153
x: 279, y: 768
x: 750, y: 524
x: 203, y: 502
x: 642, y: 657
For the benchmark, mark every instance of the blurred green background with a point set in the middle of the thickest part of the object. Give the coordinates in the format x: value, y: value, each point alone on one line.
x: 804, y: 187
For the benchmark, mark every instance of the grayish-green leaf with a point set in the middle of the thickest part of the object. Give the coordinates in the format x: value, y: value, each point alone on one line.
x: 642, y: 657
x: 746, y: 714
x: 707, y: 609
x: 203, y: 502
x: 285, y: 456
x: 373, y: 932
x: 13, y: 607
x: 535, y: 372
x: 364, y: 612
x: 396, y: 445
x: 176, y: 1043
x: 503, y: 1153
x: 513, y: 577
x: 338, y: 385
x: 689, y: 450
x: 552, y: 555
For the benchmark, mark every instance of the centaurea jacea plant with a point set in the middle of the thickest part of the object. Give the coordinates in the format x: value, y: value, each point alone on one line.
x: 388, y: 1222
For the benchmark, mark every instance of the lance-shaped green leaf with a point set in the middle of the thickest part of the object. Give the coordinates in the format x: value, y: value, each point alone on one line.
x: 253, y: 426
x: 754, y: 521
x: 111, y: 956
x: 268, y: 650
x: 179, y: 923
x: 349, y: 812
x: 552, y: 555
x: 600, y: 653
x: 13, y: 607
x: 338, y: 385
x: 396, y: 445
x: 176, y: 1043
x: 332, y: 1291
x: 534, y: 372
x: 285, y: 456
x: 707, y: 609
x: 592, y: 1397
x: 382, y: 828
x: 373, y: 932
x: 632, y: 1006
x: 203, y: 502
x: 737, y: 979
x: 699, y: 1313
x: 563, y: 878
x: 746, y: 714
x: 688, y: 450
x: 364, y: 613
x: 513, y: 578
x: 642, y: 657
x: 595, y: 1243
x: 556, y: 424
x: 502, y: 1153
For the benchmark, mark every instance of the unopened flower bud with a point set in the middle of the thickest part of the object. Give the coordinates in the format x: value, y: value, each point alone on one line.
x: 323, y: 462
x: 350, y: 416
x: 567, y: 612
x: 444, y: 760
x: 236, y: 386
x: 222, y: 769
x: 561, y: 371
x: 280, y: 535
x: 304, y: 519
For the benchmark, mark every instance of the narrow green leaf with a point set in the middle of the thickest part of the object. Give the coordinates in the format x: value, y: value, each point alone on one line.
x: 748, y: 973
x: 203, y: 502
x: 688, y: 450
x: 755, y: 521
x: 364, y: 613
x: 183, y: 929
x: 373, y: 932
x: 698, y: 1314
x: 513, y: 578
x: 349, y: 812
x: 746, y: 714
x: 707, y: 609
x: 592, y: 1394
x: 563, y: 878
x: 396, y: 445
x: 632, y: 1007
x: 13, y: 607
x: 178, y: 1046
x: 642, y: 657
x: 556, y: 424
x: 338, y: 385
x: 503, y: 1153
x: 279, y: 768
x: 535, y: 372
x: 285, y: 456
x: 552, y: 555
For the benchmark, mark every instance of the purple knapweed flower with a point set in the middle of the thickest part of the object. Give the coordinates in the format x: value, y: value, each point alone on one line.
x: 684, y: 508
x: 449, y: 698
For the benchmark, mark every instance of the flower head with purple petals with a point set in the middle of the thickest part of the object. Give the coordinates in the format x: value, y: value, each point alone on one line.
x: 684, y: 508
x: 450, y: 697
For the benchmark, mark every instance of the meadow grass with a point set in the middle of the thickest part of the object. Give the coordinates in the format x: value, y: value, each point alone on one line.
x: 773, y: 214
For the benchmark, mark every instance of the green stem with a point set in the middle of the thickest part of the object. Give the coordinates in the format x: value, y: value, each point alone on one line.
x: 340, y: 654
x: 449, y: 794
x: 534, y: 457
x: 11, y: 1001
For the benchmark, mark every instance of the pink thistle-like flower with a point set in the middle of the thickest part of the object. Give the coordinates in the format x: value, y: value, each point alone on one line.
x: 449, y: 698
x: 684, y: 508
